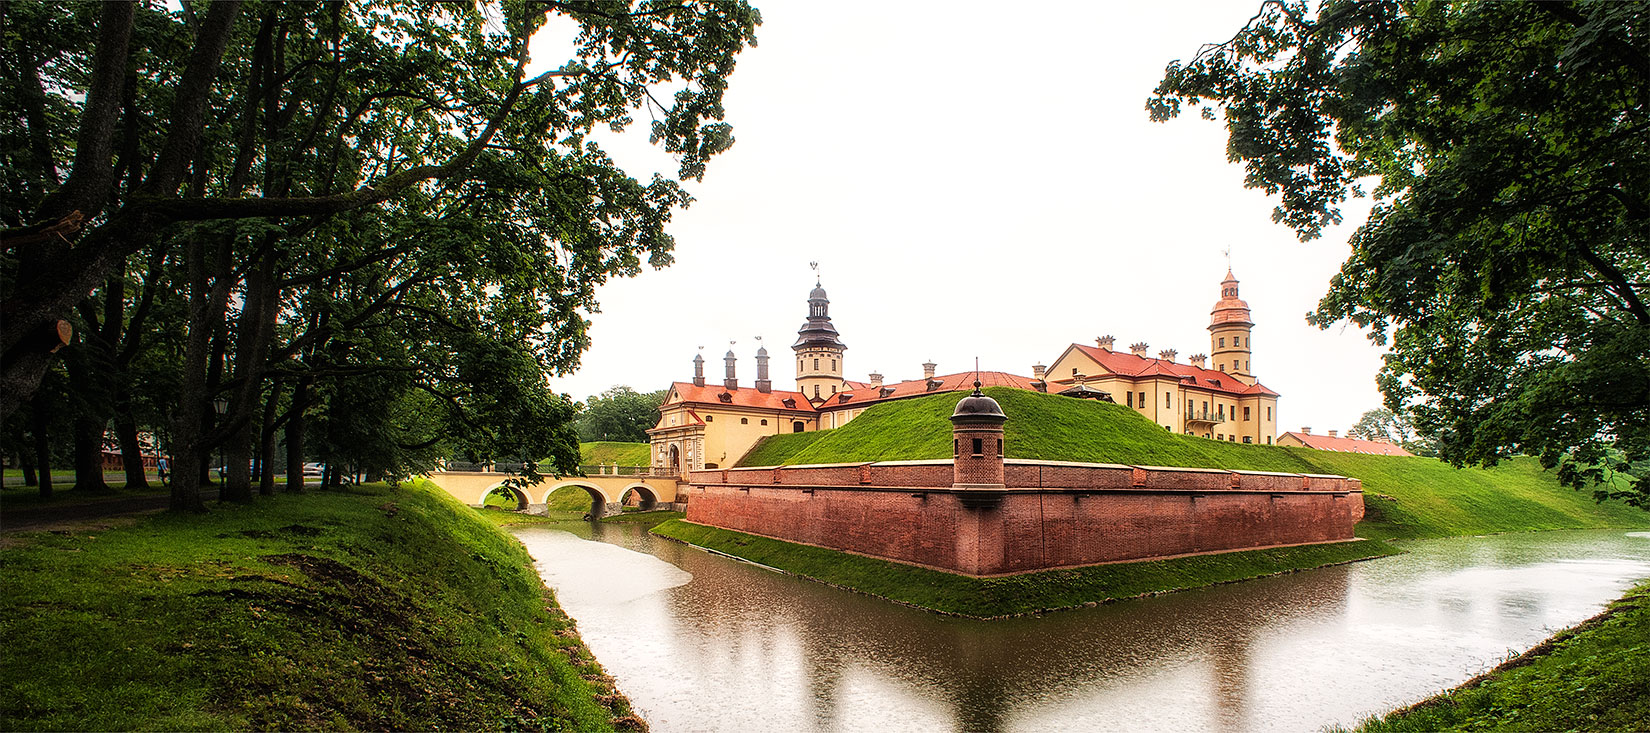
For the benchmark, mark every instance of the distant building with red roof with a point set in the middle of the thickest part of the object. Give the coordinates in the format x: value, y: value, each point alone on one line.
x: 703, y: 425
x: 1334, y: 442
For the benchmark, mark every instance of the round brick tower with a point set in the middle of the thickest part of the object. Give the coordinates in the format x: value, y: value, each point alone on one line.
x: 977, y: 443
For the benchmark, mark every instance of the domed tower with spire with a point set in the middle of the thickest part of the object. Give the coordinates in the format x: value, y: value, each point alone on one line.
x: 1229, y: 327
x: 818, y: 350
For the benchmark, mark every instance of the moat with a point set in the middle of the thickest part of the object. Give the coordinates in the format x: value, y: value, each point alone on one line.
x: 701, y: 642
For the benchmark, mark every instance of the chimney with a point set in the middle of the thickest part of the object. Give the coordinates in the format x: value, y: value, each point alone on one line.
x: 732, y: 382
x: 1168, y: 355
x: 876, y: 379
x: 1038, y: 371
x: 1334, y: 433
x: 1306, y: 431
x: 698, y: 370
x: 1138, y: 348
x: 928, y: 370
x: 1105, y: 342
x: 1197, y: 360
x: 762, y: 384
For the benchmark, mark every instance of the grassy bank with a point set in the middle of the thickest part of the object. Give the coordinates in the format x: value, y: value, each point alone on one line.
x: 609, y: 452
x: 1594, y: 677
x: 1029, y: 593
x: 373, y: 608
x: 1404, y: 497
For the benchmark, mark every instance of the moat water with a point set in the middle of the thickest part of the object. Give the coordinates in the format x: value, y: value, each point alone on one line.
x: 704, y: 643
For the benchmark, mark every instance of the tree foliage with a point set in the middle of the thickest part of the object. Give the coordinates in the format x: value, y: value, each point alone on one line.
x: 1507, y: 258
x: 619, y: 414
x: 370, y: 226
x: 1384, y: 425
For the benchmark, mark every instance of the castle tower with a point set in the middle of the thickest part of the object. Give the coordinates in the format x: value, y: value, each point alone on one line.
x: 763, y: 384
x: 977, y: 443
x: 732, y: 380
x: 818, y: 350
x: 1229, y: 326
x: 698, y: 370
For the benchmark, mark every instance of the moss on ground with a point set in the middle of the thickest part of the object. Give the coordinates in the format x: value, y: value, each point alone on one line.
x: 375, y: 607
x: 1595, y: 677
x: 1018, y: 594
x: 1403, y: 497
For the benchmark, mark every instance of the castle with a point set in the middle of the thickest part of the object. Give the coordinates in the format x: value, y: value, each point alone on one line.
x: 710, y: 426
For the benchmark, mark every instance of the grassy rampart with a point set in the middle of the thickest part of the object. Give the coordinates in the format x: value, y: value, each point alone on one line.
x: 1405, y: 497
x: 372, y: 608
x: 1594, y: 677
x: 1019, y: 594
x: 608, y: 452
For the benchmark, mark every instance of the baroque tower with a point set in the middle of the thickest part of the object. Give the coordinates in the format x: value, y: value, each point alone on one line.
x: 818, y: 350
x: 1229, y: 326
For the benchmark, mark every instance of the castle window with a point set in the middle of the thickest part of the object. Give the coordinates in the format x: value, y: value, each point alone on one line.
x: 1247, y: 440
x: 833, y: 389
x: 1222, y: 343
x: 710, y: 418
x: 979, y: 446
x: 1168, y: 399
x: 1246, y: 414
x: 1222, y: 366
x: 764, y: 422
x: 1245, y: 365
x: 798, y: 426
x: 1220, y: 411
x: 799, y: 365
x: 1074, y: 371
x: 1268, y: 440
x: 833, y: 365
x: 1220, y: 436
x: 744, y: 421
x: 1142, y: 400
x: 816, y: 365
x: 956, y: 447
x: 1231, y: 438
x: 1130, y: 399
x: 816, y: 391
x: 1269, y: 413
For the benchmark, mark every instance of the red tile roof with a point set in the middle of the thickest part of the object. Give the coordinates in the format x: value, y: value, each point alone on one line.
x: 1131, y: 365
x: 1347, y: 445
x: 947, y: 383
x: 710, y: 394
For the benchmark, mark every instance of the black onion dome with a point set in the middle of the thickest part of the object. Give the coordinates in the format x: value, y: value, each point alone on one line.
x: 978, y: 409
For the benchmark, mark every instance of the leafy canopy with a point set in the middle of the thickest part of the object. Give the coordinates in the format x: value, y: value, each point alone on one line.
x: 1507, y: 258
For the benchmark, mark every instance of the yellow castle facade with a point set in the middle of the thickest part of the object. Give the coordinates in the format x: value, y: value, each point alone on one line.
x: 705, y: 425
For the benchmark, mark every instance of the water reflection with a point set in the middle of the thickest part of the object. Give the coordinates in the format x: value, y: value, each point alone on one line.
x: 705, y: 643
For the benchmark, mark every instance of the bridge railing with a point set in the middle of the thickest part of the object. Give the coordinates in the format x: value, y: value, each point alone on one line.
x: 587, y: 470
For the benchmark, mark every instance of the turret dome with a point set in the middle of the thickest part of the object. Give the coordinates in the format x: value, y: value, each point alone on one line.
x: 977, y: 408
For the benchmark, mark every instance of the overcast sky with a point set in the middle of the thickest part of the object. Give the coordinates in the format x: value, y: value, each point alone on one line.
x: 974, y: 180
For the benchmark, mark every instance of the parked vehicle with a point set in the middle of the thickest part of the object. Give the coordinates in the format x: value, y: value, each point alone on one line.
x: 314, y: 469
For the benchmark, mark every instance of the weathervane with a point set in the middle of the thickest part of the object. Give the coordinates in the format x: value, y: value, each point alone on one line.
x: 815, y: 266
x: 1228, y: 253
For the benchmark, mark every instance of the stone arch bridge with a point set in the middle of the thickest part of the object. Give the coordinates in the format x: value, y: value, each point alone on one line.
x: 606, y: 485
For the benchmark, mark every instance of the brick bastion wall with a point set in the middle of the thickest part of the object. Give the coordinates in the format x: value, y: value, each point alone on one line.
x: 1048, y: 514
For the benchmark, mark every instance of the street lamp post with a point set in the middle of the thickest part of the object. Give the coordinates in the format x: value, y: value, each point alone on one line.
x: 221, y: 405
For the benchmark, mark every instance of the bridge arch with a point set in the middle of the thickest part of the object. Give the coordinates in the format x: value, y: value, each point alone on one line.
x: 600, y: 503
x: 649, y: 499
x: 522, y: 500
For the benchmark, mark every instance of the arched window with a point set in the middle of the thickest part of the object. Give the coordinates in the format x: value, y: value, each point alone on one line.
x: 798, y: 426
x: 744, y: 421
x: 764, y: 422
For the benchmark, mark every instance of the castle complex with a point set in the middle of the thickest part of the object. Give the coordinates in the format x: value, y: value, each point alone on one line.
x: 708, y: 426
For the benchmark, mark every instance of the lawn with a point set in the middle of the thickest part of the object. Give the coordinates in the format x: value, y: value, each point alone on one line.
x: 374, y: 607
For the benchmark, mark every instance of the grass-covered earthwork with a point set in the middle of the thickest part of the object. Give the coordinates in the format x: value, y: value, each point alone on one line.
x: 371, y: 608
x: 603, y: 453
x: 1018, y: 594
x: 1404, y: 497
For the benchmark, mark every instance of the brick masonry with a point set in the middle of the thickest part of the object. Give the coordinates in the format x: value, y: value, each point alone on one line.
x: 1051, y: 514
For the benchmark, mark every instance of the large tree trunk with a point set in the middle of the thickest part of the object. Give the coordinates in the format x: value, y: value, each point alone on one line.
x: 25, y: 459
x: 42, y: 443
x: 256, y: 324
x: 131, y: 451
x: 88, y: 454
x: 266, y: 443
x: 295, y: 437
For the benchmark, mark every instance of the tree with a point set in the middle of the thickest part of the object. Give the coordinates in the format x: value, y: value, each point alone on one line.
x: 320, y: 177
x: 1384, y: 425
x: 1507, y: 258
x: 620, y: 414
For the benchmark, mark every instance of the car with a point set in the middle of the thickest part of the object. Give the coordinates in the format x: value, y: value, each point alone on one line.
x: 314, y: 469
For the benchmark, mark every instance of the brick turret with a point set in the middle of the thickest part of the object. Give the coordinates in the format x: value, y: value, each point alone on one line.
x: 977, y: 445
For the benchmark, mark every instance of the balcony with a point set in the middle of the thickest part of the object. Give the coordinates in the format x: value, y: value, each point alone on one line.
x: 1204, y: 416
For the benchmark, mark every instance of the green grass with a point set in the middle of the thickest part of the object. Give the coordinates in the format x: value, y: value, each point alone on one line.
x: 370, y: 608
x: 623, y: 454
x: 1594, y: 677
x: 1404, y: 497
x: 569, y: 499
x: 1018, y: 594
x: 18, y: 496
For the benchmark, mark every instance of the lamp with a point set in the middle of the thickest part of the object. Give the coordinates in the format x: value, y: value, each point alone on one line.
x: 221, y: 404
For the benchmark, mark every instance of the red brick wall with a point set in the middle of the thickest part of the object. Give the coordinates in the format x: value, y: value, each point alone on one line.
x: 1135, y: 513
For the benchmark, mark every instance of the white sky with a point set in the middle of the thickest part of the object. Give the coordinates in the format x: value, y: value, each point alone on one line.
x: 936, y: 157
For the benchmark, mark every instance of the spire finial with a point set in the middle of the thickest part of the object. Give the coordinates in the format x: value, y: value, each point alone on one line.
x: 977, y: 375
x: 815, y: 265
